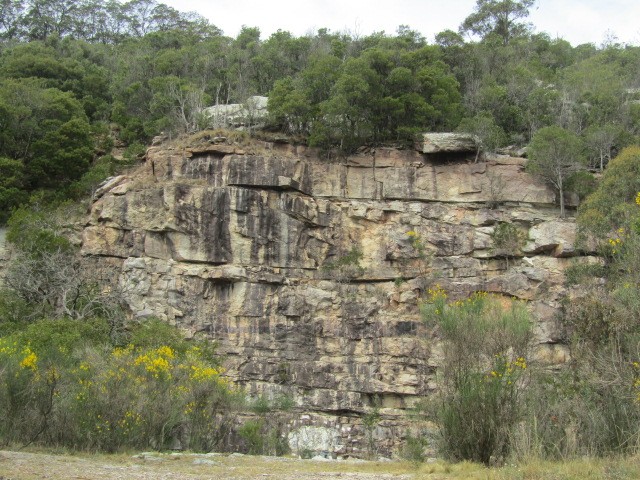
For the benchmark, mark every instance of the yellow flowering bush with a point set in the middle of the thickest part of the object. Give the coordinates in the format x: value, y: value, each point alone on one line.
x: 485, y: 339
x: 157, y: 362
x: 615, y: 242
x: 101, y: 397
x: 435, y: 303
x: 30, y: 360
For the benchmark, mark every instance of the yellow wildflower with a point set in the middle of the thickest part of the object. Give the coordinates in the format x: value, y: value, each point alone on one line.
x: 30, y: 361
x: 199, y: 373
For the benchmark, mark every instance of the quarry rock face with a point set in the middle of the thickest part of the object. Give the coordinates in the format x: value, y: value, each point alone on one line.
x: 305, y: 273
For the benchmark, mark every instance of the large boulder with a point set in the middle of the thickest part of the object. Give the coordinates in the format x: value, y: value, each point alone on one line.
x: 252, y: 113
x: 556, y: 237
x: 447, y: 143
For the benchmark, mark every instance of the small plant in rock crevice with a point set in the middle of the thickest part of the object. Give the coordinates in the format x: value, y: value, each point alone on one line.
x: 508, y: 241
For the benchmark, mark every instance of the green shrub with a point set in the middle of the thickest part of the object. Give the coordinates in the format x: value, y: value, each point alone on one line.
x: 589, y: 411
x: 347, y: 267
x: 413, y: 449
x: 485, y: 341
x: 581, y: 183
x: 578, y: 273
x: 252, y: 434
x: 103, y: 168
x: 35, y: 232
x: 370, y: 422
x: 266, y: 434
x: 508, y: 240
x: 611, y: 206
x: 63, y: 384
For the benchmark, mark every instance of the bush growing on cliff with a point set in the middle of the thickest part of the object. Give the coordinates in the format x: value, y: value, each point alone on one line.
x: 484, y: 370
x: 346, y: 267
x: 508, y: 240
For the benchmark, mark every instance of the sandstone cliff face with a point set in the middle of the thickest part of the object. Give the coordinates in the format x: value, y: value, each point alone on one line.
x: 240, y: 247
x: 3, y: 251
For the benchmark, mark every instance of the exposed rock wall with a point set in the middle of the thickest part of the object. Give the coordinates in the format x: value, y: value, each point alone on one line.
x: 3, y: 251
x: 238, y: 247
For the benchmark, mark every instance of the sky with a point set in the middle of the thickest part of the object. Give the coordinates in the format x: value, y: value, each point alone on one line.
x: 577, y: 21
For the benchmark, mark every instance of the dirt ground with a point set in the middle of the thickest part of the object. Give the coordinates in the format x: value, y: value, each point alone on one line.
x: 19, y: 465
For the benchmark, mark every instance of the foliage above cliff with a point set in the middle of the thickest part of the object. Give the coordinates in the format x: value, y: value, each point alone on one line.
x: 75, y: 77
x: 384, y: 94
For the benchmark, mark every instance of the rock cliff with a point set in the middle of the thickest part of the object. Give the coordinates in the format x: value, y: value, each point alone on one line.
x: 302, y: 270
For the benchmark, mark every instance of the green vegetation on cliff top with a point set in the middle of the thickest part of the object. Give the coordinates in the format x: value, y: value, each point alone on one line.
x: 78, y: 77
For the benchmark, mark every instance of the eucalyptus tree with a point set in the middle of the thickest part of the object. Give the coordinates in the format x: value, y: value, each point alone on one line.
x: 499, y: 17
x: 554, y: 154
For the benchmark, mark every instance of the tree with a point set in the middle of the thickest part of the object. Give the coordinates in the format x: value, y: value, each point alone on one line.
x: 555, y: 153
x: 499, y: 17
x: 601, y: 141
x: 348, y: 111
x: 47, y: 130
x: 176, y: 104
x: 50, y: 17
x: 10, y: 14
x: 487, y: 134
x: 594, y: 92
x: 612, y: 205
x: 289, y: 107
x: 140, y: 16
x: 67, y: 65
x: 280, y: 56
x: 62, y: 155
x: 12, y: 182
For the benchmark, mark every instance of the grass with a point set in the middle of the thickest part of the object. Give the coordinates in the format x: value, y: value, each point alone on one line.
x: 581, y: 469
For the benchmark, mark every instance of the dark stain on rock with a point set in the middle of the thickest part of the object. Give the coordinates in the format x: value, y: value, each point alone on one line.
x: 215, y: 226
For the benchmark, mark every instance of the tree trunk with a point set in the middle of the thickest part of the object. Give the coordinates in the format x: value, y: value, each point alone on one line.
x: 561, y: 191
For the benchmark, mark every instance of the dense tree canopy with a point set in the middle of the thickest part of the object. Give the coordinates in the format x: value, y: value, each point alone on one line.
x: 75, y: 77
x: 382, y: 95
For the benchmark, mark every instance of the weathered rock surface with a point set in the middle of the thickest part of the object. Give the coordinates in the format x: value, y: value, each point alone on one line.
x: 555, y: 236
x: 244, y: 248
x: 448, y: 142
x: 3, y: 251
x: 251, y: 113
